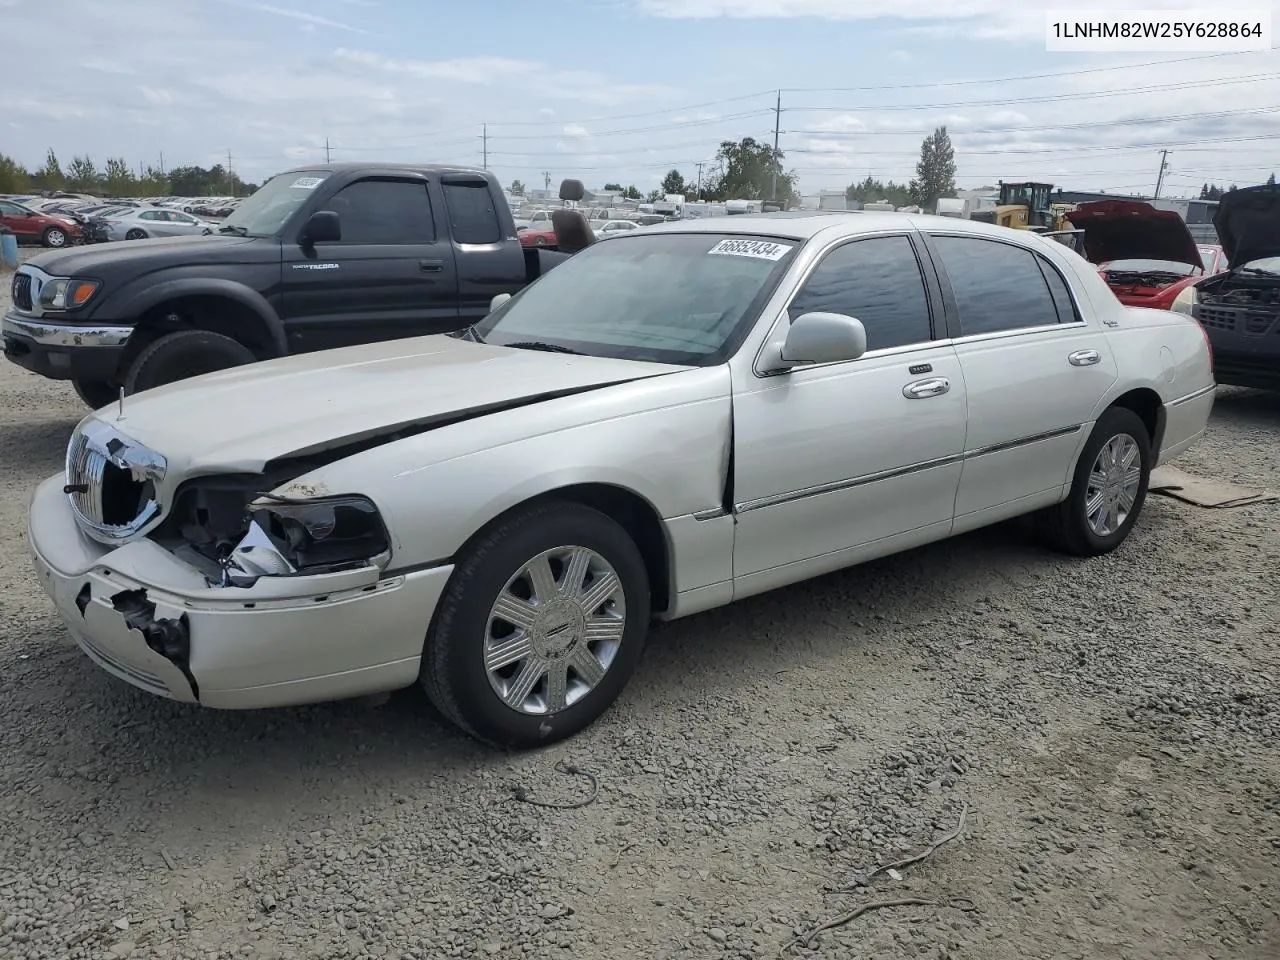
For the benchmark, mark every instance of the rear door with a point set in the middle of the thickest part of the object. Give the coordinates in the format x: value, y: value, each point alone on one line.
x: 391, y: 275
x: 1035, y: 369
x: 489, y: 261
x: 20, y: 220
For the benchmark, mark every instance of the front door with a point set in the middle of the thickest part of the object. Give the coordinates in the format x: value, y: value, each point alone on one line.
x: 834, y: 458
x: 1035, y: 369
x: 389, y: 276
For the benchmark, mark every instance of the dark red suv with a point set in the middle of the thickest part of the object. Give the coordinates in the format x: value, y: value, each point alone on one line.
x: 51, y: 230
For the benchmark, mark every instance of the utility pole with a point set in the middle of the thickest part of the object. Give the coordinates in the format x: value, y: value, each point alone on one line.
x: 1164, y: 165
x: 326, y: 150
x: 546, y: 180
x: 773, y: 166
x: 701, y: 164
x: 484, y: 128
x: 162, y: 163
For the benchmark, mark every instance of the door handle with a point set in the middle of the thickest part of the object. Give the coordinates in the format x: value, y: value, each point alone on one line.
x: 920, y: 389
x: 431, y: 266
x: 1084, y: 358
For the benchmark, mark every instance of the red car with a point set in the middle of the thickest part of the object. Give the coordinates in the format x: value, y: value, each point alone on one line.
x: 538, y: 238
x: 28, y: 226
x: 1146, y: 256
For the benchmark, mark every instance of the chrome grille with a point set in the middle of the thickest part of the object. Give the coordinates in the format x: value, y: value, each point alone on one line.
x: 22, y: 291
x: 111, y: 482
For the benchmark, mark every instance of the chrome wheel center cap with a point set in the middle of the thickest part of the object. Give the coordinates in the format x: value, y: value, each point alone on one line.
x: 558, y: 628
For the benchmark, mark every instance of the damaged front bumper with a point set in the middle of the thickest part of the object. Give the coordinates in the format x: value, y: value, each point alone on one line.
x: 145, y: 616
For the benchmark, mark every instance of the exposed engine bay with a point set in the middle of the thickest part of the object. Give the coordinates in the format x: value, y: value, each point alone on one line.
x: 1151, y: 279
x: 1254, y: 293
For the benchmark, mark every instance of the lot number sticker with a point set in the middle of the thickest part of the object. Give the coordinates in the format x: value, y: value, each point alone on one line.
x: 307, y: 183
x: 760, y: 249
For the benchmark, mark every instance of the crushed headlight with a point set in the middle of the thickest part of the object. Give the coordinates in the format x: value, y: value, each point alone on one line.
x: 323, y: 535
x: 63, y: 293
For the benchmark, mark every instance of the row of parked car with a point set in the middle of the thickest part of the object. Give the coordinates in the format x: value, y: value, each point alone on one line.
x: 59, y: 223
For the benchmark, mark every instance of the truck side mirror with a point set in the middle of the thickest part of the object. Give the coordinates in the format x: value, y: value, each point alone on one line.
x: 322, y: 227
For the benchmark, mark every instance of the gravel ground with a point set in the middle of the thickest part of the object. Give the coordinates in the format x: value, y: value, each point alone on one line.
x: 1108, y: 728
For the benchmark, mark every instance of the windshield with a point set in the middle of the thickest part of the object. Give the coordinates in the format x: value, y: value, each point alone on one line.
x: 264, y: 213
x: 669, y: 298
x: 1150, y: 266
x: 1264, y: 265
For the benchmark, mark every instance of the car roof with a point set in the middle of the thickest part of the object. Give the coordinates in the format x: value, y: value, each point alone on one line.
x: 805, y: 224
x: 349, y: 166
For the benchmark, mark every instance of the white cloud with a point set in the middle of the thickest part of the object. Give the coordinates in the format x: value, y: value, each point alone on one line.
x: 577, y: 131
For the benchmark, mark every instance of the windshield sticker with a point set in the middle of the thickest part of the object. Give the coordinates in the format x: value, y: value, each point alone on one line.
x: 760, y: 249
x: 306, y: 183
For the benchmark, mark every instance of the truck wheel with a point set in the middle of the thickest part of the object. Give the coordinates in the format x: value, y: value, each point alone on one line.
x: 95, y: 393
x: 186, y: 353
x: 54, y: 237
x: 540, y: 628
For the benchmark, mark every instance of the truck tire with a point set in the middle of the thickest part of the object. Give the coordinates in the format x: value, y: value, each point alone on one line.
x: 186, y: 353
x: 95, y: 393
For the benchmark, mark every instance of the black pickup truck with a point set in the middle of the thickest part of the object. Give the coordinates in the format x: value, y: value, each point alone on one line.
x: 320, y: 257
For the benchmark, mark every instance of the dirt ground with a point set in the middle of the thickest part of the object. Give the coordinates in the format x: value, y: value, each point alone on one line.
x: 1107, y: 730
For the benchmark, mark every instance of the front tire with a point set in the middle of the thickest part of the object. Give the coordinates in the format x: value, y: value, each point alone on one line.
x: 1108, y: 489
x: 135, y: 234
x: 540, y: 628
x: 54, y: 237
x: 181, y: 355
x: 96, y: 394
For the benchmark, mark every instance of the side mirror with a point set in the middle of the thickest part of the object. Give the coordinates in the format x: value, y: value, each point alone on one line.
x: 819, y: 338
x: 498, y: 301
x: 322, y: 227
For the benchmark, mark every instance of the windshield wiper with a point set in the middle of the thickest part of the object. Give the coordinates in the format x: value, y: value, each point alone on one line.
x: 540, y: 345
x: 1258, y: 271
x: 238, y: 230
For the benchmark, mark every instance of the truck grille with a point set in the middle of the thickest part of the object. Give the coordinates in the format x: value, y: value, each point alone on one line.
x: 111, y: 485
x: 22, y: 291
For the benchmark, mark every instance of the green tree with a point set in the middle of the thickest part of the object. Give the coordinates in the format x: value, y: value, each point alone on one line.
x: 82, y: 175
x: 632, y: 192
x: 13, y: 176
x: 872, y: 190
x: 118, y: 179
x: 936, y: 171
x: 673, y: 182
x: 50, y: 176
x: 516, y: 189
x: 613, y: 188
x: 749, y: 170
x: 1271, y: 180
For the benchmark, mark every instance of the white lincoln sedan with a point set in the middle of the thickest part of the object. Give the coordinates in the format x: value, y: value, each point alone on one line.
x: 665, y: 423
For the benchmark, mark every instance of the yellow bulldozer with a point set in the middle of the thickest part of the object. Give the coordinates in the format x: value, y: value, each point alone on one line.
x: 1029, y: 206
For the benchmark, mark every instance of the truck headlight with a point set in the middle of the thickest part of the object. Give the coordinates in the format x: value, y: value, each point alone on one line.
x: 1185, y: 301
x: 289, y: 537
x: 63, y: 293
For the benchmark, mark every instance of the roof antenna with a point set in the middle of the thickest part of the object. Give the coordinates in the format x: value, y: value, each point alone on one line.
x: 120, y: 408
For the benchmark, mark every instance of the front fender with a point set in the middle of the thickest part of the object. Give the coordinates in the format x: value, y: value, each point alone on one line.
x: 666, y: 439
x: 131, y: 304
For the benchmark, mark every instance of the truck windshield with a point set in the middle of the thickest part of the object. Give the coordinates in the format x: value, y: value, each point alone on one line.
x: 264, y: 213
x: 685, y: 298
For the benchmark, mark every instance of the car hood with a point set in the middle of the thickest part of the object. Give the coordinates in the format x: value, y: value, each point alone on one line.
x: 142, y: 255
x: 1248, y: 224
x: 240, y: 419
x: 1132, y: 230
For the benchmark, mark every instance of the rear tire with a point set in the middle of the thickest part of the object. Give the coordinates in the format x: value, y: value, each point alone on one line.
x: 135, y: 234
x: 1107, y: 491
x: 475, y: 660
x: 181, y: 355
x: 54, y: 237
x: 95, y: 393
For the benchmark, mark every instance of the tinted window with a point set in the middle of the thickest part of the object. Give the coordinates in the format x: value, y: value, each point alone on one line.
x: 384, y: 211
x: 471, y: 213
x: 877, y: 281
x: 1058, y: 290
x: 997, y: 286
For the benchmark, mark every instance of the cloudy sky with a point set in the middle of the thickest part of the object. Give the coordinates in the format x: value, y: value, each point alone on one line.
x: 626, y: 89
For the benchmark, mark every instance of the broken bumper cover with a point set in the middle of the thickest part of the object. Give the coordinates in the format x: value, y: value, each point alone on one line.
x: 146, y: 617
